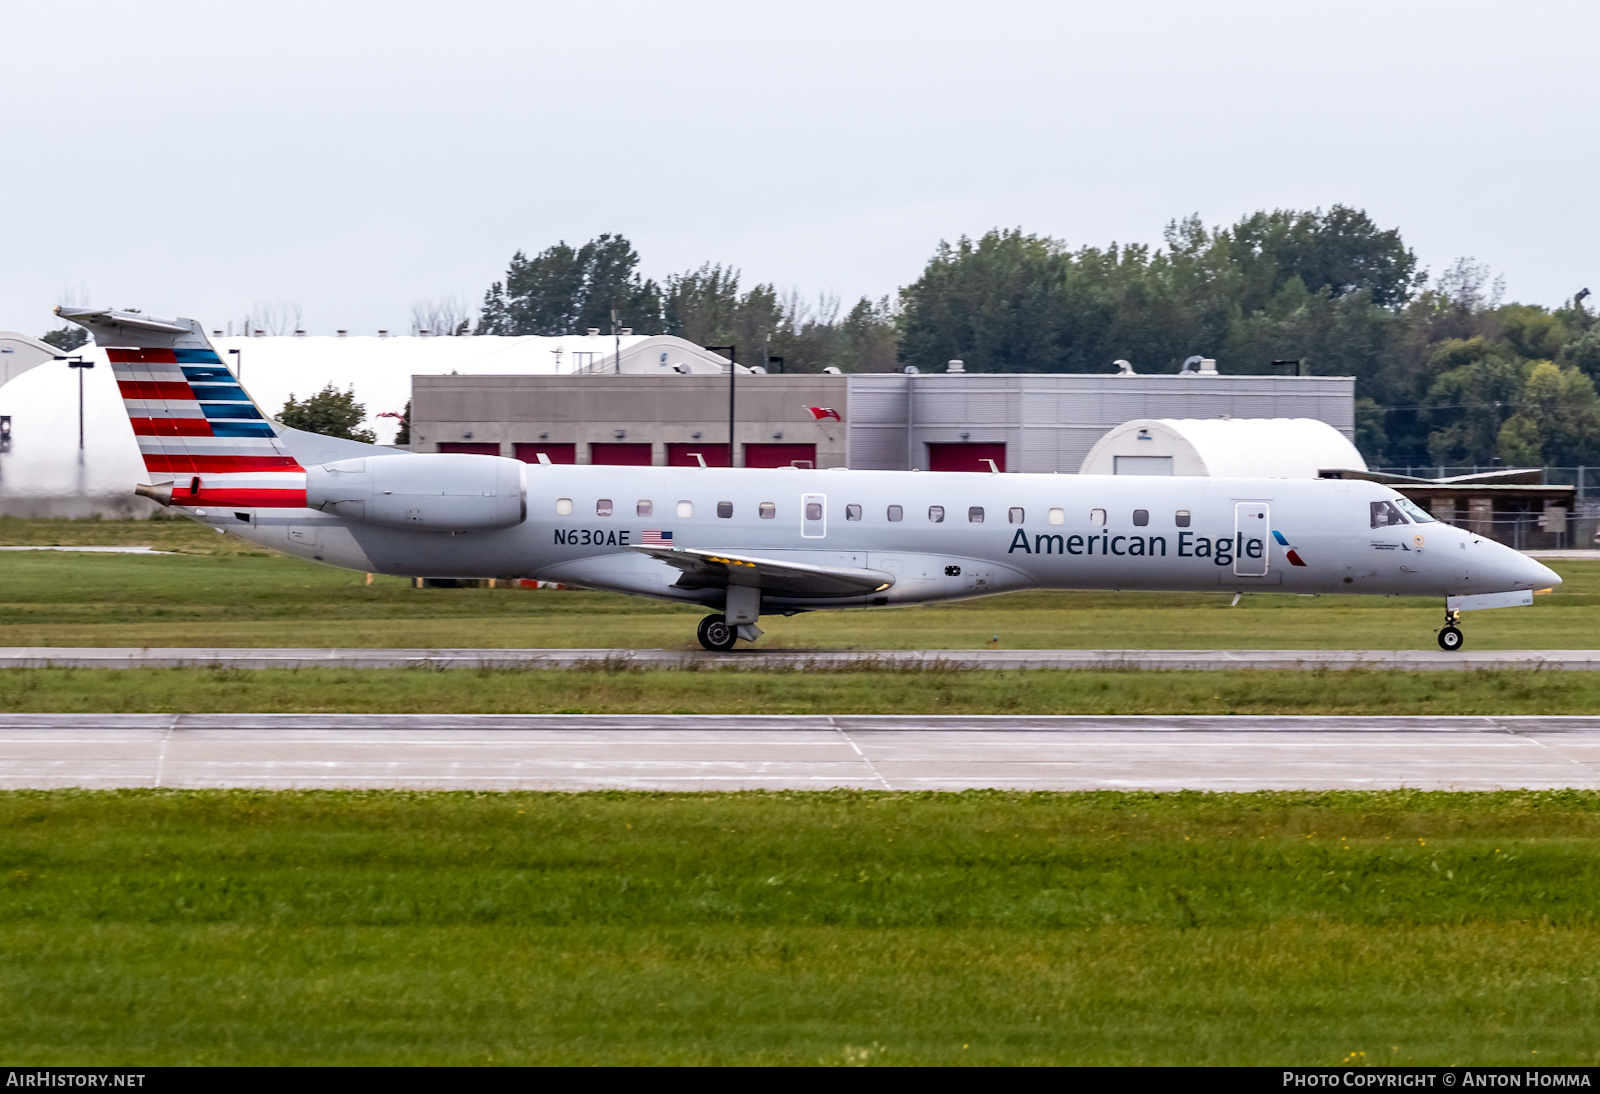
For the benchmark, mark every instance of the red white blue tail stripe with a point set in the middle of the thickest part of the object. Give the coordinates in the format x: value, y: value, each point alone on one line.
x: 199, y: 429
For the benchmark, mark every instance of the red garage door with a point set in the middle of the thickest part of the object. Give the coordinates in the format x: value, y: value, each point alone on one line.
x: 965, y: 457
x: 627, y: 454
x: 555, y: 453
x: 471, y: 448
x: 682, y: 455
x: 779, y: 455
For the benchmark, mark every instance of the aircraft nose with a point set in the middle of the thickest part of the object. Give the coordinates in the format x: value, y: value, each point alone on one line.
x: 1542, y: 576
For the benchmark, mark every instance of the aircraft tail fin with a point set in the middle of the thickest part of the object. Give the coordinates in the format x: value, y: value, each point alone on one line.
x: 203, y: 439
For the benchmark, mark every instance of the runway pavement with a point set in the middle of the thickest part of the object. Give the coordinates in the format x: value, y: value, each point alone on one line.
x: 720, y: 752
x: 793, y: 660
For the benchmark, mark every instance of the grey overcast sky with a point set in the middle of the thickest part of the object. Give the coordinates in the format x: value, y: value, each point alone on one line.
x: 353, y: 158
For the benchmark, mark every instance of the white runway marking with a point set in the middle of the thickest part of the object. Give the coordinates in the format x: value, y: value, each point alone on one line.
x: 96, y: 550
x: 723, y: 752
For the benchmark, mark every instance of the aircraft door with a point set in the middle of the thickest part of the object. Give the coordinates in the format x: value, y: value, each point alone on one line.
x: 1252, y: 530
x: 813, y: 515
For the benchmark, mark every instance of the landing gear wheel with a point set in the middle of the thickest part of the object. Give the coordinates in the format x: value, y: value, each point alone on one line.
x: 715, y: 634
x: 1451, y: 639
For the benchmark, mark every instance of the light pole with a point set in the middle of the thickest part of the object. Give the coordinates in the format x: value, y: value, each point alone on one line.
x: 80, y: 364
x: 238, y: 364
x: 733, y: 367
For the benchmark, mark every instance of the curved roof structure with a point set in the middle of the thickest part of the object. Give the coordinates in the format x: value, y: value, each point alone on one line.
x: 19, y: 353
x: 1271, y: 448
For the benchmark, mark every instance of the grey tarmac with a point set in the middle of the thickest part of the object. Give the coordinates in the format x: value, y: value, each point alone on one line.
x: 18, y: 657
x: 795, y: 752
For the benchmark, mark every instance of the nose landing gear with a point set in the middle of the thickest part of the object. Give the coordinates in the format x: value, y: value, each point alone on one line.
x: 1450, y: 637
x: 716, y: 633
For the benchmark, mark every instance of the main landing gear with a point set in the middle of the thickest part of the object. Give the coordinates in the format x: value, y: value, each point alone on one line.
x: 716, y: 633
x: 1451, y: 638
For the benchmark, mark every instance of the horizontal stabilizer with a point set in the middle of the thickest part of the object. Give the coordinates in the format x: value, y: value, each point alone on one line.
x: 135, y: 329
x: 717, y: 570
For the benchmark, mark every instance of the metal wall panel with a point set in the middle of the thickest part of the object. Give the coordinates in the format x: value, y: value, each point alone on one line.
x: 1050, y: 422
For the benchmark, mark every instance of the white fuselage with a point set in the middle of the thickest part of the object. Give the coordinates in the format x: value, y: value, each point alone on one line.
x: 998, y: 532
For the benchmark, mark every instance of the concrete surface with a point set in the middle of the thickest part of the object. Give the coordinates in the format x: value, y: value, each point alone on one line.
x: 721, y: 752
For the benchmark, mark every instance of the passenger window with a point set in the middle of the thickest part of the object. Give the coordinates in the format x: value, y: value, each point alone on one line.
x: 685, y: 510
x: 813, y: 510
x: 724, y: 509
x: 602, y: 508
x: 896, y: 514
x: 975, y: 515
x: 766, y: 510
x: 563, y: 507
x: 1058, y: 516
x: 936, y: 514
x: 644, y: 509
x: 1097, y: 517
x: 1385, y: 514
x: 852, y: 512
x: 1014, y: 516
x: 1181, y: 518
x: 1141, y: 517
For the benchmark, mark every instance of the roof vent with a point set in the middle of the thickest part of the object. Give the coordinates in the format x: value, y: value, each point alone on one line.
x: 383, y: 334
x: 1124, y: 368
x: 344, y: 334
x: 1199, y: 366
x: 833, y: 370
x: 955, y: 366
x: 627, y: 330
x: 593, y: 331
x: 913, y: 370
x: 299, y: 333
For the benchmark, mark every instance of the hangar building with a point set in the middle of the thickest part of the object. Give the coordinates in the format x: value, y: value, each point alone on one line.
x: 951, y: 421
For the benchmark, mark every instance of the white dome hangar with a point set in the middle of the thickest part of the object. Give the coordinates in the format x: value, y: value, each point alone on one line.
x: 1233, y: 448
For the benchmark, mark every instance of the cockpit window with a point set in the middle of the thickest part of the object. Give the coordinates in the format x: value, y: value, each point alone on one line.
x: 1416, y: 512
x: 1385, y: 514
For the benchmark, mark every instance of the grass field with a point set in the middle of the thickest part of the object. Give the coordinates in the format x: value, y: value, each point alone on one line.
x: 167, y: 927
x: 936, y: 691
x: 217, y: 591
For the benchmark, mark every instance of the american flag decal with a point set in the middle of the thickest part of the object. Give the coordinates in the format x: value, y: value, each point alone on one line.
x: 657, y: 537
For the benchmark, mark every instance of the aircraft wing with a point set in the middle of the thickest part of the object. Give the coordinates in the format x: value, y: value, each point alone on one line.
x: 716, y: 570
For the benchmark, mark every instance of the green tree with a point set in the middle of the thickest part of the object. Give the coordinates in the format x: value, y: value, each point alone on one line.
x: 1471, y: 404
x: 566, y: 290
x: 867, y: 337
x: 65, y: 339
x: 702, y: 305
x: 1557, y: 419
x: 1371, y: 437
x: 330, y: 412
x: 1520, y: 444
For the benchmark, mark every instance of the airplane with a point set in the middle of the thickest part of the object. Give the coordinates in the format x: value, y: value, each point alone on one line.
x: 748, y: 542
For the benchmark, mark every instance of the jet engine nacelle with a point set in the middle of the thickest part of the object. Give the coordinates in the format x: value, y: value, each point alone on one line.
x: 438, y: 492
